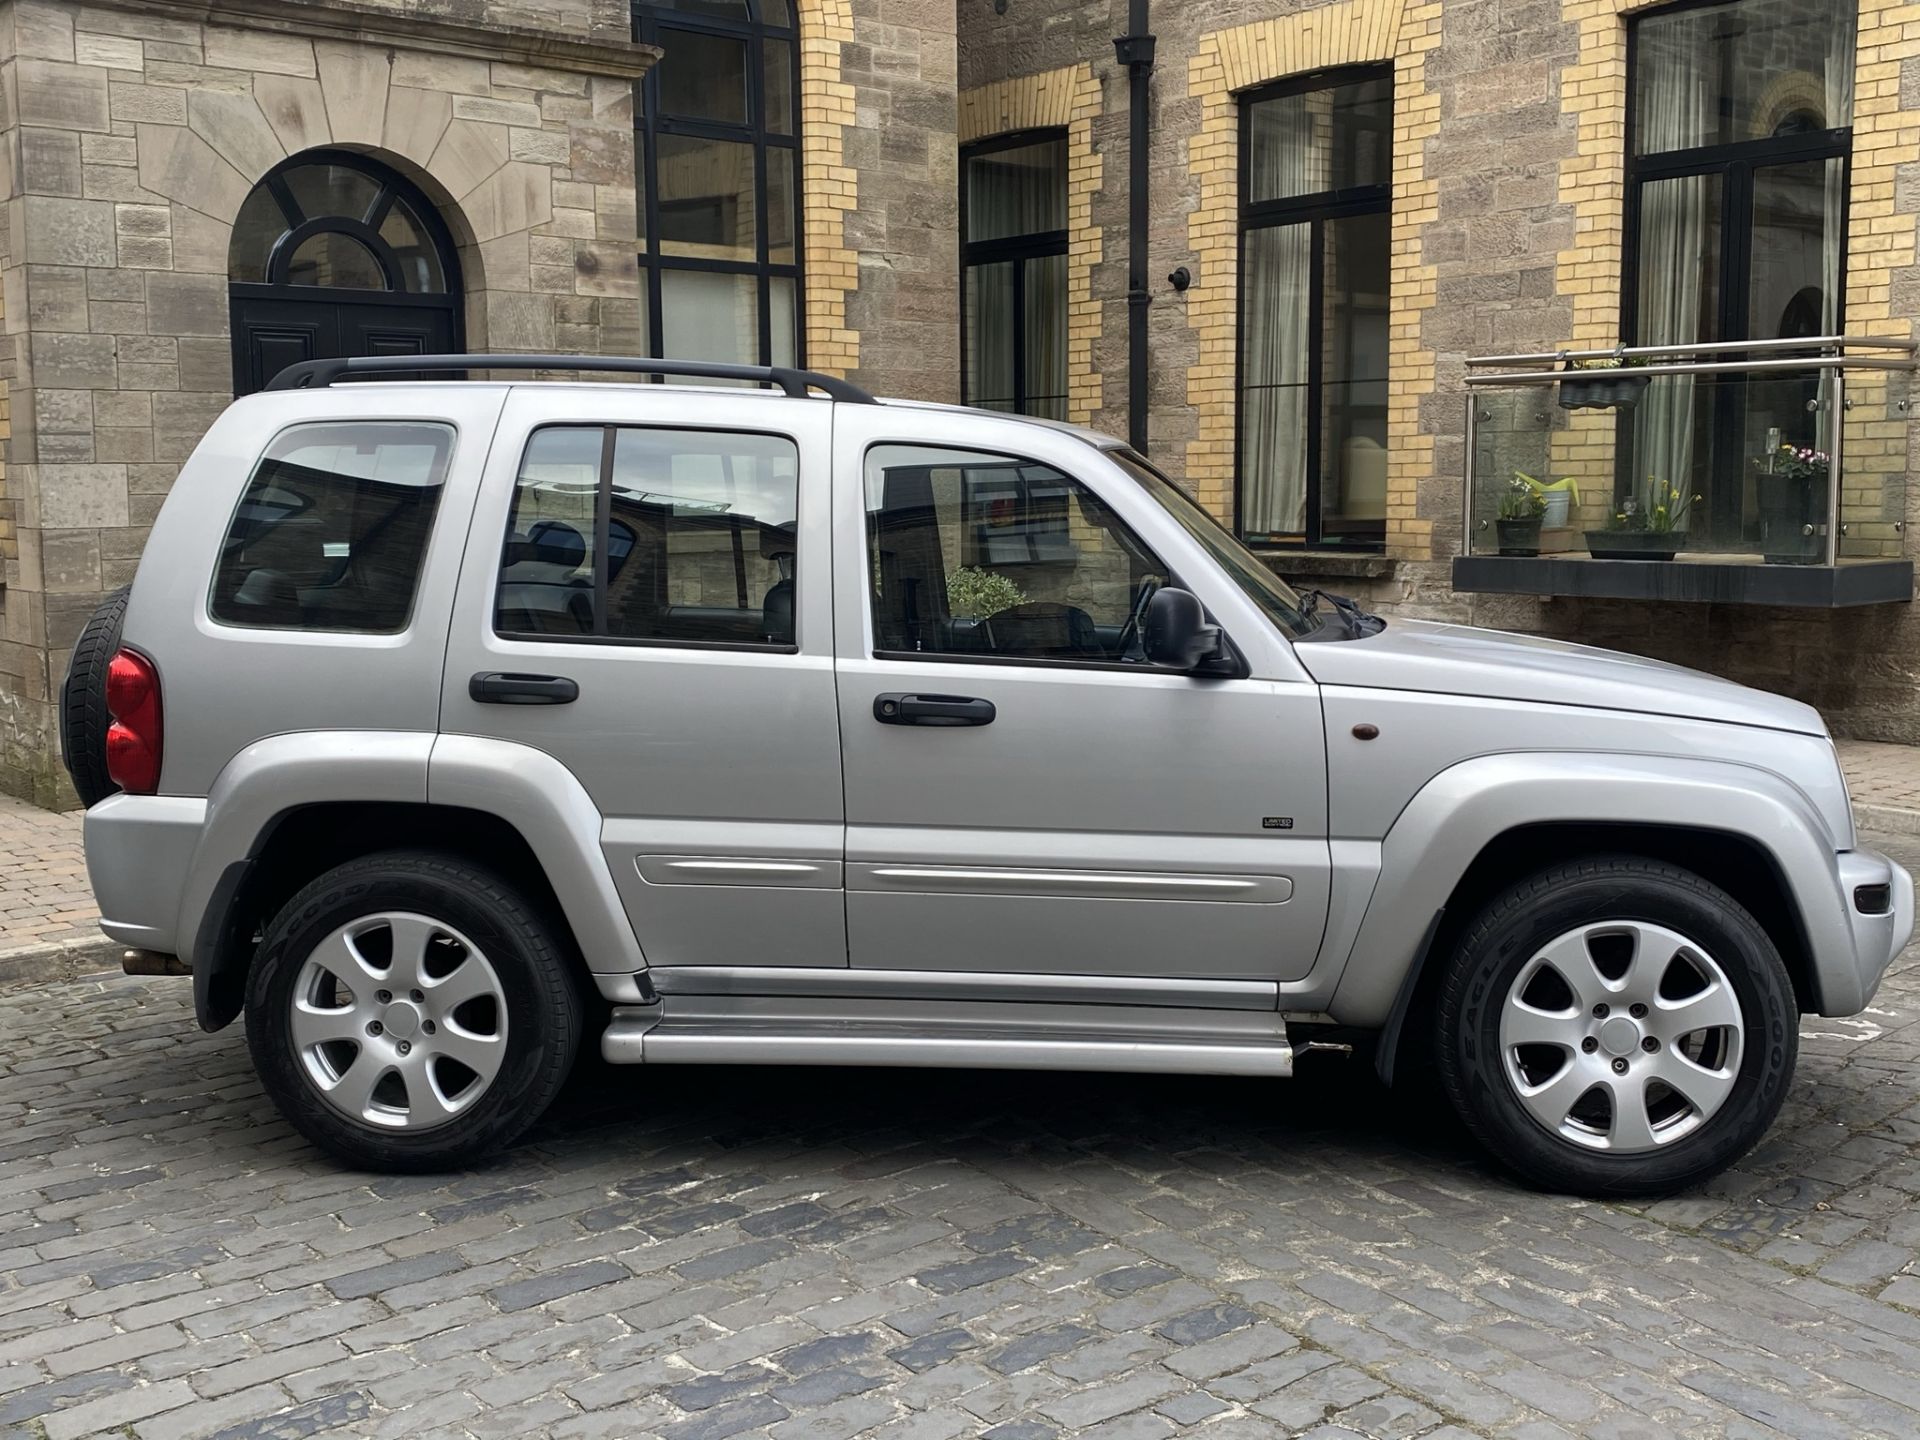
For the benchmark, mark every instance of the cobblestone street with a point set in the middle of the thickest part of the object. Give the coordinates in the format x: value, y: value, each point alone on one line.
x: 821, y: 1253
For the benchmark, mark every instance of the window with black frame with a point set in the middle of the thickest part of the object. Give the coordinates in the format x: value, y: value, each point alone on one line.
x: 716, y: 147
x: 1738, y: 150
x: 1316, y: 201
x: 1013, y: 202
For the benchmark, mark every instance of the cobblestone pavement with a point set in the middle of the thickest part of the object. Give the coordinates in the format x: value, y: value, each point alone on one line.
x: 820, y: 1253
x: 44, y: 894
x: 1884, y: 781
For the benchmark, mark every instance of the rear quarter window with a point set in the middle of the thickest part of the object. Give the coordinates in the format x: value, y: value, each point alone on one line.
x: 332, y: 528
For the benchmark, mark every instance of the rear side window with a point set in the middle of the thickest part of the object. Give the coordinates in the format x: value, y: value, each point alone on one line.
x: 331, y: 530
x: 652, y: 535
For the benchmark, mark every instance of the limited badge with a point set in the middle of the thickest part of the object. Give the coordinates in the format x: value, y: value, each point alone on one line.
x: 1276, y: 822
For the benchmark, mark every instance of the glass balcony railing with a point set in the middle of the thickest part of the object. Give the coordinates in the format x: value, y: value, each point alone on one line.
x: 1786, y: 452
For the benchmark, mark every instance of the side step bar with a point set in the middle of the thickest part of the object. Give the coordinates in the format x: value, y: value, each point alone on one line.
x: 645, y: 1036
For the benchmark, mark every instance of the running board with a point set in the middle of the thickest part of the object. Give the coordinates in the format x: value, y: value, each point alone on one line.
x: 1151, y: 1042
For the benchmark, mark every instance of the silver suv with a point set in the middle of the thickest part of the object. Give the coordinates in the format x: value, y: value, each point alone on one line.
x: 449, y: 724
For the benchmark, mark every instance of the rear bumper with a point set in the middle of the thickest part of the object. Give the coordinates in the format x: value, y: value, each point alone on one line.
x: 139, y: 853
x: 1847, y: 982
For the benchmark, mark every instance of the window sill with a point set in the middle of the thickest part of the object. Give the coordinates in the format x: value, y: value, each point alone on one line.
x: 1728, y: 581
x: 1327, y: 564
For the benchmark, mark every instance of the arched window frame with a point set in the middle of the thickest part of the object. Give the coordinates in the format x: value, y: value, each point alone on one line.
x: 651, y: 123
x: 389, y: 186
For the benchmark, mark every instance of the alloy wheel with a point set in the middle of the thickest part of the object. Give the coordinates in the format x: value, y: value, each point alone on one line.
x: 1622, y: 1036
x: 399, y: 1021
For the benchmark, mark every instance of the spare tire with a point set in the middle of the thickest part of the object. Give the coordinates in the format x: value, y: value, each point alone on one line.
x: 83, y: 701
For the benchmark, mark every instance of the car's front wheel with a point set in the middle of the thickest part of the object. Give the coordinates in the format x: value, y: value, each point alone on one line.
x: 409, y: 1011
x: 1616, y: 1026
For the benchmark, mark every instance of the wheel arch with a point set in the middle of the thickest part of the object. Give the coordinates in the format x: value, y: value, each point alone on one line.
x: 1736, y: 863
x: 1488, y: 818
x: 306, y: 841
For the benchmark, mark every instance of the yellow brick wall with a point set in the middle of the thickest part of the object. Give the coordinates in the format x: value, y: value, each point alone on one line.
x: 829, y: 186
x: 1067, y: 98
x: 1350, y: 32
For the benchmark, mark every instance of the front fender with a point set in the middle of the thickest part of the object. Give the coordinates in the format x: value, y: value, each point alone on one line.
x: 1466, y: 807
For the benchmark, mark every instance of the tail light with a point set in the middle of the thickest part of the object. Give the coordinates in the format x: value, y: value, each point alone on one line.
x: 133, y: 739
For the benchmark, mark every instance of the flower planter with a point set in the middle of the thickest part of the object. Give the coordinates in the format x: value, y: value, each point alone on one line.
x: 1601, y: 392
x: 1518, y: 537
x: 1787, y: 520
x: 1633, y: 544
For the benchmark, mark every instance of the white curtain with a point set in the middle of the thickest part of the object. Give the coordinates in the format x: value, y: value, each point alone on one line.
x: 1676, y: 112
x: 1291, y: 153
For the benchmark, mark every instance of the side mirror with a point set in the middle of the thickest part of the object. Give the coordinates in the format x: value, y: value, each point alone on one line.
x: 1175, y: 633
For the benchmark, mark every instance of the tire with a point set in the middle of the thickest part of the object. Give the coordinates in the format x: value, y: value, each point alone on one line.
x: 1519, y: 965
x: 417, y: 1115
x: 83, y: 701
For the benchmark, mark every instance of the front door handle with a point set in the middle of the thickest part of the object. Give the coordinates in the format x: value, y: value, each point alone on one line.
x: 898, y: 709
x: 494, y: 687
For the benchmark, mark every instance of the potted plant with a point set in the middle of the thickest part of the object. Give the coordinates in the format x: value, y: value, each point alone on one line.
x: 1792, y: 487
x: 1522, y: 509
x: 1645, y: 527
x: 1602, y: 384
x: 1559, y: 497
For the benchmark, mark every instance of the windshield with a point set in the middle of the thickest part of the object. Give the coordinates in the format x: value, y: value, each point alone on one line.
x: 1277, y: 600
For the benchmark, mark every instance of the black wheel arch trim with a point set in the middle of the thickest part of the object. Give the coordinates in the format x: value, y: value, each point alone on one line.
x: 1387, y: 1052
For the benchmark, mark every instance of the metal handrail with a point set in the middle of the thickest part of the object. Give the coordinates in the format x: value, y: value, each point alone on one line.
x: 1700, y: 367
x: 1812, y: 342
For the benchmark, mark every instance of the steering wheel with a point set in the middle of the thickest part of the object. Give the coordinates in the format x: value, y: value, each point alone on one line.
x: 1130, y: 632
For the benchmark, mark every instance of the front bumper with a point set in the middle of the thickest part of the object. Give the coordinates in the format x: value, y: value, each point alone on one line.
x: 1876, y: 939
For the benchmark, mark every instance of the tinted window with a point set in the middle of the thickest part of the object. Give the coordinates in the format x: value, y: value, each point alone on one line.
x: 981, y: 554
x: 652, y: 535
x: 331, y: 530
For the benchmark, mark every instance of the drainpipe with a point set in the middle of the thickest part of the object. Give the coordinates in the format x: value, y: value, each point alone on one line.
x: 1135, y: 51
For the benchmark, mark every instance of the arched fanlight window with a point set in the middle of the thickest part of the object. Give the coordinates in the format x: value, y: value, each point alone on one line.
x: 341, y: 222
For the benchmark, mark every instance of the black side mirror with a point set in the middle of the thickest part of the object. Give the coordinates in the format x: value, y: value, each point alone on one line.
x: 1175, y: 633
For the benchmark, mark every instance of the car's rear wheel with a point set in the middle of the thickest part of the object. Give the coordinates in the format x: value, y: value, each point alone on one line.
x: 1616, y: 1026
x: 412, y: 1012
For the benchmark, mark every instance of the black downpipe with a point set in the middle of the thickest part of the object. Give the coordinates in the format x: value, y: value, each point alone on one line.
x: 1135, y: 51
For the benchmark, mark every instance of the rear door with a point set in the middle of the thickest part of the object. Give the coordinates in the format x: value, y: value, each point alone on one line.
x: 1065, y: 808
x: 646, y: 597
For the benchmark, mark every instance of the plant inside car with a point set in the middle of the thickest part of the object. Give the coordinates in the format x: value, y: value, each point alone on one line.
x: 1647, y: 526
x: 1791, y: 481
x: 1602, y: 384
x: 1522, y: 510
x: 977, y: 593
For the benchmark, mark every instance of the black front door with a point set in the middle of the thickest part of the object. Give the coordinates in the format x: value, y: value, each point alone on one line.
x: 335, y: 255
x: 271, y: 332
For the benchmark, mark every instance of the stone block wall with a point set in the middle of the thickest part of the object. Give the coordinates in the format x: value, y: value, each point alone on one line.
x: 131, y: 137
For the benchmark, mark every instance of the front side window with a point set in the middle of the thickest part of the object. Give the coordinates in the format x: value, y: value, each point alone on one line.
x: 652, y: 536
x: 1316, y: 237
x: 717, y: 146
x: 1740, y: 131
x: 332, y: 529
x: 995, y: 556
x: 1013, y: 197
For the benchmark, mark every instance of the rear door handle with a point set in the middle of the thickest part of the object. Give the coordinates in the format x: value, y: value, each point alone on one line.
x: 898, y: 709
x: 494, y: 687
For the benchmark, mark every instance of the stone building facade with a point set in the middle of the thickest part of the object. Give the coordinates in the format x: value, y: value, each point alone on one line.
x: 135, y: 133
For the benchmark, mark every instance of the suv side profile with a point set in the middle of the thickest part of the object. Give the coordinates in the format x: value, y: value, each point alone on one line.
x: 449, y: 725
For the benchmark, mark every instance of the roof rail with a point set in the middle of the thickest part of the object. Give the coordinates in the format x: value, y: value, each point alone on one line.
x: 311, y: 374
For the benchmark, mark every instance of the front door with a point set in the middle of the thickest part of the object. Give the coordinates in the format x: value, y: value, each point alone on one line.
x: 271, y: 332
x: 646, y: 597
x: 1024, y: 793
